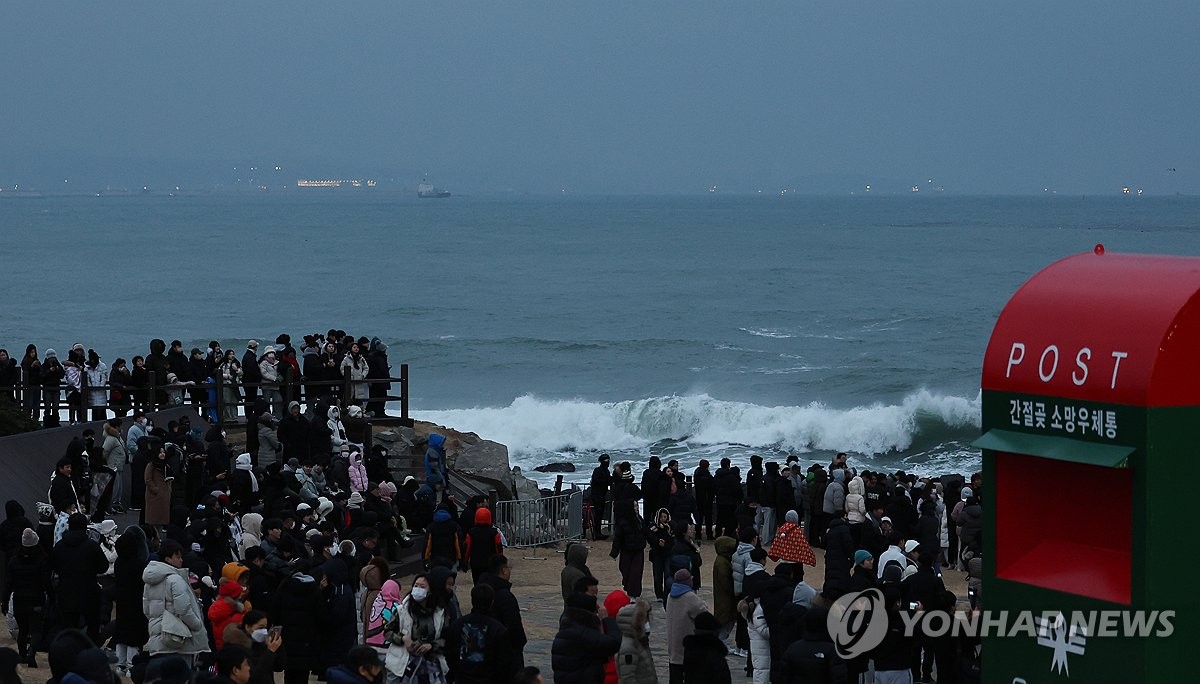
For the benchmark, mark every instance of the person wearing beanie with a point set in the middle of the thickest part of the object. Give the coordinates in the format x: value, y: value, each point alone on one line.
x: 587, y: 637
x: 683, y: 605
x: 28, y: 586
x: 483, y: 542
x: 51, y: 377
x: 864, y: 571
x: 704, y: 653
x: 790, y: 544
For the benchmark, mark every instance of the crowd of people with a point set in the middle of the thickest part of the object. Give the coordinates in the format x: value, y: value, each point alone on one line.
x: 888, y: 531
x: 281, y: 560
x: 169, y: 376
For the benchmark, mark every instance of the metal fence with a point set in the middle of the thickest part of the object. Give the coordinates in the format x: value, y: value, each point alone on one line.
x: 534, y: 522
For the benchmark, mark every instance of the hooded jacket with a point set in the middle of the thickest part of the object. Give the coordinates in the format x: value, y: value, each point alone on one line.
x: 813, y: 659
x: 175, y: 622
x: 77, y: 561
x: 14, y: 524
x: 704, y: 658
x: 683, y: 606
x: 483, y: 541
x: 444, y: 541
x: 133, y: 555
x: 397, y: 655
x: 856, y: 502
x: 741, y: 557
x: 251, y: 532
x: 661, y: 537
x: 115, y: 454
x: 358, y: 472
x: 576, y: 569
x: 337, y: 431
x: 435, y: 459
x: 635, y: 665
x: 383, y: 611
x: 724, y: 603
x: 835, y: 494
x: 583, y: 645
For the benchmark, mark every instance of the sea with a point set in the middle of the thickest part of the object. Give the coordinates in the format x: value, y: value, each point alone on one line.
x: 567, y: 326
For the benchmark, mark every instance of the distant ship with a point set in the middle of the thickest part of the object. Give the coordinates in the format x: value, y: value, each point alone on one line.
x: 426, y: 190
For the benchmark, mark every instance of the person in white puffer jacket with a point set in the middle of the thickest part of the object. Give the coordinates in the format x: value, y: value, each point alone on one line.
x: 760, y: 639
x: 175, y: 622
x: 856, y: 508
x: 337, y: 437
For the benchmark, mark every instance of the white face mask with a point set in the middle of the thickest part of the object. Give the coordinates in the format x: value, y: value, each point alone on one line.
x: 259, y: 635
x: 419, y: 594
x: 647, y: 628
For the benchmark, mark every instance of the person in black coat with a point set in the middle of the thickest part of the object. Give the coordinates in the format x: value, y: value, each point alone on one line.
x: 625, y: 494
x: 902, y: 513
x: 341, y: 628
x: 300, y: 609
x: 727, y: 491
x: 293, y: 435
x: 378, y: 368
x: 505, y: 607
x: 704, y: 653
x: 929, y: 530
x: 702, y: 485
x: 839, y: 558
x: 14, y: 524
x: 812, y: 659
x: 587, y: 637
x: 76, y: 561
x: 62, y: 488
x: 251, y: 375
x: 477, y: 648
x: 598, y: 490
x: 681, y: 503
x: 28, y: 585
x: 650, y: 485
x: 131, y: 630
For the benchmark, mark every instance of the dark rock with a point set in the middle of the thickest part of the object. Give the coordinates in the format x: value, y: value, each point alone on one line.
x: 556, y: 468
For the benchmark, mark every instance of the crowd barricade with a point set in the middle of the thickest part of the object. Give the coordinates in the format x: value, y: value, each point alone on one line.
x: 535, y: 522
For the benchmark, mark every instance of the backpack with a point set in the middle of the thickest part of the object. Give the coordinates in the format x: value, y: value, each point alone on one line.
x: 473, y: 644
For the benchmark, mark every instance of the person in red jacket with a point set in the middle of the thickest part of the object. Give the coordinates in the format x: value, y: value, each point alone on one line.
x: 613, y: 603
x: 483, y: 542
x: 228, y: 608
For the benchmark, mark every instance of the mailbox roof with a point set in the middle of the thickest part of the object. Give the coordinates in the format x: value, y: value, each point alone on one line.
x: 1146, y: 307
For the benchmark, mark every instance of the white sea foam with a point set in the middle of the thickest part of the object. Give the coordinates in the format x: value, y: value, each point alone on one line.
x: 530, y: 425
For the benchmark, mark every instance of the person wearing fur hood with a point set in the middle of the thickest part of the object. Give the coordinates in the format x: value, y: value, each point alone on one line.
x: 635, y: 664
x: 337, y: 430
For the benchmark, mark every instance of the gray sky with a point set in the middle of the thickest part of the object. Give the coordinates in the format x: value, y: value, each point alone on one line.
x: 609, y: 97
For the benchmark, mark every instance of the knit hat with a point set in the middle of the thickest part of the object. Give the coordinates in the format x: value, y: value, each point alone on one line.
x: 356, y: 498
x: 51, y: 354
x: 269, y: 350
x: 862, y: 556
x: 230, y: 589
x: 967, y: 493
x: 243, y: 462
x: 78, y: 346
x: 792, y: 517
x: 885, y: 519
x: 29, y: 538
x: 908, y: 572
x: 354, y: 411
x: 683, y: 576
x: 911, y: 545
x: 303, y: 508
x: 324, y: 506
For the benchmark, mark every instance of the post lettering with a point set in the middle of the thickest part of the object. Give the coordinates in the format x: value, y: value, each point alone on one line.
x: 1015, y: 356
x: 1046, y: 377
x: 1079, y: 358
x: 1117, y: 356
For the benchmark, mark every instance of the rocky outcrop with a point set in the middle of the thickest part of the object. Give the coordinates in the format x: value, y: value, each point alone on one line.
x: 482, y: 461
x: 556, y: 468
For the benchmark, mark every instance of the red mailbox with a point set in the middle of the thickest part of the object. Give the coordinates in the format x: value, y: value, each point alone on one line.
x: 1091, y: 411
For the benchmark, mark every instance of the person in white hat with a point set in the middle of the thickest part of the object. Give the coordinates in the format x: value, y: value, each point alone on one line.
x: 268, y: 367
